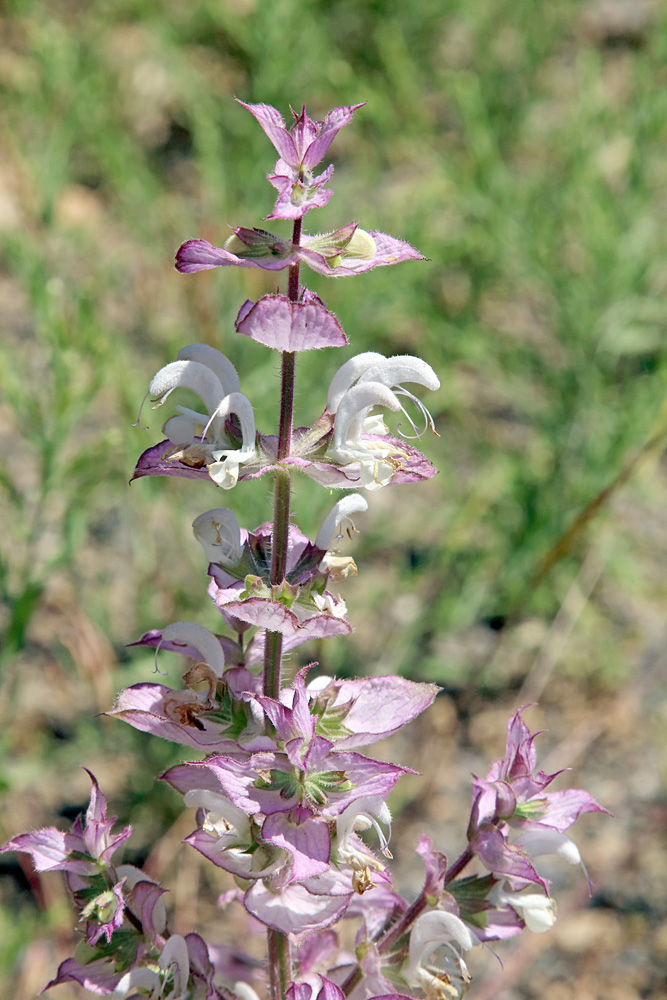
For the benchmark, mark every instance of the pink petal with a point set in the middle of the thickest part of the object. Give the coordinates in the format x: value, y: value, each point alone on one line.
x: 274, y: 127
x: 293, y: 910
x: 157, y: 461
x: 142, y: 707
x: 50, y: 849
x: 500, y: 858
x: 563, y: 808
x: 200, y: 255
x: 98, y: 977
x: 327, y: 132
x: 306, y: 839
x: 291, y: 326
x: 380, y: 707
x: 389, y: 250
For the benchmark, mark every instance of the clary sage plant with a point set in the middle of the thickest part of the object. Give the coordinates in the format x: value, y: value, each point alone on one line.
x: 286, y: 802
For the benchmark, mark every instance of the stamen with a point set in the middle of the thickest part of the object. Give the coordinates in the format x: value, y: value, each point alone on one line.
x: 211, y: 419
x: 155, y: 666
x: 425, y: 412
x: 160, y: 401
x: 137, y: 422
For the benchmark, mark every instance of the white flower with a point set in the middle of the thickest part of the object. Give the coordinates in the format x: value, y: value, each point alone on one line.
x: 349, y: 849
x: 545, y: 841
x: 433, y: 930
x: 537, y: 910
x: 231, y: 826
x: 203, y: 437
x: 335, y: 525
x: 351, y: 421
x: 219, y: 535
x: 206, y: 644
x: 229, y: 823
x: 339, y: 517
x: 335, y: 607
x: 361, y: 384
x: 364, y: 814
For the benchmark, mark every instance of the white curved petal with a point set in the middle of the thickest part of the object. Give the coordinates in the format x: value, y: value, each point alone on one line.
x: 536, y: 910
x: 402, y: 368
x: 242, y: 407
x: 182, y: 428
x: 188, y: 375
x: 353, y: 503
x: 216, y: 361
x: 219, y: 534
x: 374, y: 473
x: 539, y: 842
x: 433, y: 930
x: 239, y: 404
x: 220, y: 809
x: 353, y: 409
x: 191, y: 634
x: 135, y: 979
x: 347, y: 375
x: 225, y: 473
x: 244, y: 992
x: 175, y: 957
x: 361, y: 815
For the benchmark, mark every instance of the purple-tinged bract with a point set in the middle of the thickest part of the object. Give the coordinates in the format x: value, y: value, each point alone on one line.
x: 277, y: 322
x: 300, y: 149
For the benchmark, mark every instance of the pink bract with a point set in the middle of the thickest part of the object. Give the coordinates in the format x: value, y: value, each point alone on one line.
x: 277, y: 322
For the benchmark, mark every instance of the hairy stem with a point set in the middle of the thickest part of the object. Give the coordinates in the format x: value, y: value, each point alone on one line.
x: 280, y: 963
x: 457, y: 867
x: 281, y: 497
x: 273, y: 651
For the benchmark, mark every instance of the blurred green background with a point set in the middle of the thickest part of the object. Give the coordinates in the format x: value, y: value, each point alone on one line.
x: 521, y: 146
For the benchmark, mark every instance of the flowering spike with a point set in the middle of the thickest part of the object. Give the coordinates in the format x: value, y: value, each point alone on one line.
x: 283, y: 797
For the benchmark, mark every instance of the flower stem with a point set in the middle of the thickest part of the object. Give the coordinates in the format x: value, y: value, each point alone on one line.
x: 389, y: 939
x: 281, y: 498
x: 352, y: 980
x: 273, y: 652
x: 280, y: 964
x: 457, y: 867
